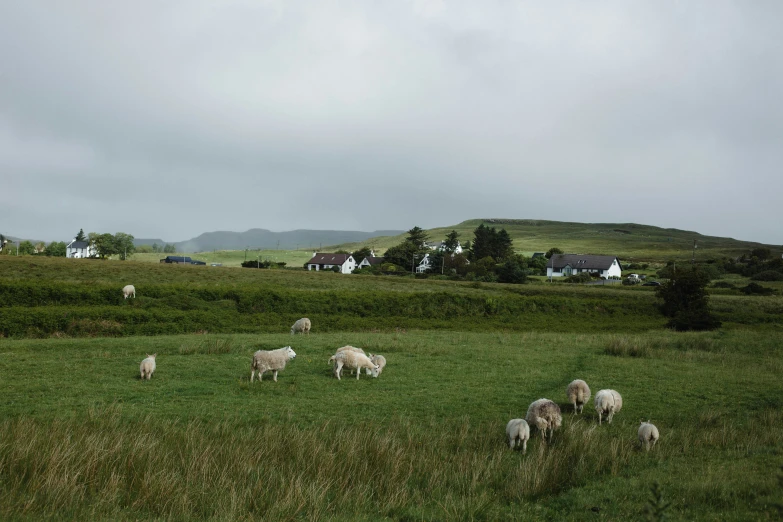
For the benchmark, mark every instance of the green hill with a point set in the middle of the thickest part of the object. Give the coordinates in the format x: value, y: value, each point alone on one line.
x: 629, y: 241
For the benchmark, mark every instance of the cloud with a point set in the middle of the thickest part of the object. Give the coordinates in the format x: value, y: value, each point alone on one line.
x: 362, y: 115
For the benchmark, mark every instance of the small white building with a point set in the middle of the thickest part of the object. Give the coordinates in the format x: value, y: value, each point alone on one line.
x: 322, y: 261
x: 424, y: 264
x: 370, y: 261
x: 569, y: 264
x: 80, y: 249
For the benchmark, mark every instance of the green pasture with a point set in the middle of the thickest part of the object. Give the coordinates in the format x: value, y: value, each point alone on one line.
x: 235, y: 258
x: 84, y: 438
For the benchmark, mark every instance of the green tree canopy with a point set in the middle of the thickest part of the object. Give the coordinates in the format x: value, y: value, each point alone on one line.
x: 451, y: 242
x: 685, y: 300
x: 26, y: 248
x: 169, y: 249
x: 56, y: 249
x: 80, y: 236
x: 552, y: 251
x: 361, y: 253
x: 123, y: 245
x: 489, y: 242
x: 418, y: 237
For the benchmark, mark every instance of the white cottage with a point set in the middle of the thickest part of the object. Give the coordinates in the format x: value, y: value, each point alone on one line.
x: 569, y: 264
x: 322, y: 261
x: 80, y: 249
x: 370, y: 261
x: 441, y: 247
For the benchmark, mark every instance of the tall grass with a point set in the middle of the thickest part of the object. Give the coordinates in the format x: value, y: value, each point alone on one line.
x: 101, y: 466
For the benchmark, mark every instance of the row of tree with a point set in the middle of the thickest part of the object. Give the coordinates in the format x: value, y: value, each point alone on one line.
x: 105, y: 245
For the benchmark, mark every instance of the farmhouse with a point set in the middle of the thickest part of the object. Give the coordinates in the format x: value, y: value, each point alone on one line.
x: 323, y: 261
x: 568, y: 264
x: 80, y: 249
x: 370, y: 261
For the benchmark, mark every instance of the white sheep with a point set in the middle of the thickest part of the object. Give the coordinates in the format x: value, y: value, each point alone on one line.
x: 275, y: 360
x: 518, y: 432
x: 578, y: 393
x: 544, y: 415
x: 607, y: 402
x: 648, y: 435
x: 352, y: 359
x: 129, y: 290
x: 301, y: 326
x: 380, y: 360
x: 353, y: 349
x: 147, y: 366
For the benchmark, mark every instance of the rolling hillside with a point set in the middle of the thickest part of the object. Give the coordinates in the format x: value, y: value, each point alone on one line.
x: 629, y: 241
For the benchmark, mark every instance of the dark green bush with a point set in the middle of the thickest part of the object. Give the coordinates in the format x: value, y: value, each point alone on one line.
x: 757, y: 289
x: 768, y: 275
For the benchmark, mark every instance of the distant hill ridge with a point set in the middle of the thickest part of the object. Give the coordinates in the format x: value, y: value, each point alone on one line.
x: 265, y: 239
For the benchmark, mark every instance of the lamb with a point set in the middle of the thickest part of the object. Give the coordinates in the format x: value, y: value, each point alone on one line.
x: 147, y: 366
x: 275, y: 360
x: 518, y: 432
x: 129, y: 290
x: 380, y: 360
x: 578, y: 393
x: 648, y: 435
x: 352, y: 359
x: 607, y: 402
x: 544, y: 415
x: 301, y: 326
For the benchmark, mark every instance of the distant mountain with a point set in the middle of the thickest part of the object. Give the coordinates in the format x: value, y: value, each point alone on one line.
x: 265, y: 239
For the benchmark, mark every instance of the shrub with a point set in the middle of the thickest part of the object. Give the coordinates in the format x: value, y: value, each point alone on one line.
x: 757, y: 289
x: 685, y: 300
x: 723, y: 284
x: 768, y: 275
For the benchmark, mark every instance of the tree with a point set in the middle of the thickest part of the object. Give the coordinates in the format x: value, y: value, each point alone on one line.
x: 514, y: 270
x: 156, y: 248
x: 80, y: 236
x: 103, y: 244
x: 482, y: 243
x: 56, y: 249
x: 403, y: 255
x: 552, y: 251
x: 451, y: 243
x: 26, y: 248
x: 502, y: 245
x: 418, y: 237
x: 361, y: 253
x: 761, y: 253
x: 123, y: 245
x: 169, y: 249
x: 685, y: 300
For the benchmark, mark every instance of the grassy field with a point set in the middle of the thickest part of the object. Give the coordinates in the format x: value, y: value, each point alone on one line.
x: 234, y: 258
x: 82, y: 437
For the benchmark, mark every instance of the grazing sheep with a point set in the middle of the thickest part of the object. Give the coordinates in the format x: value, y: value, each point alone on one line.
x: 352, y: 359
x: 129, y: 290
x: 578, y: 393
x: 544, y: 415
x: 380, y: 360
x: 147, y: 366
x: 518, y: 432
x: 352, y: 349
x: 301, y: 326
x: 648, y: 435
x: 607, y: 402
x: 275, y: 360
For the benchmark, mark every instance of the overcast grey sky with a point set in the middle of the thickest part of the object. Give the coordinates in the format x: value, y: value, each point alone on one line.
x: 169, y: 119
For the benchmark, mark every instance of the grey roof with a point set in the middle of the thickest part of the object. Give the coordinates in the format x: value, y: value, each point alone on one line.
x: 537, y: 254
x: 329, y: 259
x: 587, y: 261
x: 78, y: 244
x: 374, y: 260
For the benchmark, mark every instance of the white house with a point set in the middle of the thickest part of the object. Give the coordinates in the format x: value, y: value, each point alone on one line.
x: 370, y: 261
x: 441, y: 246
x: 323, y: 261
x: 568, y: 264
x: 80, y: 249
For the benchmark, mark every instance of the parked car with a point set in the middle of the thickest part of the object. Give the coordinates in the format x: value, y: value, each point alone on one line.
x: 651, y: 283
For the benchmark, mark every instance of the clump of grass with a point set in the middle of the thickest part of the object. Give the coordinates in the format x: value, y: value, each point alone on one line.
x: 628, y: 347
x: 209, y: 346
